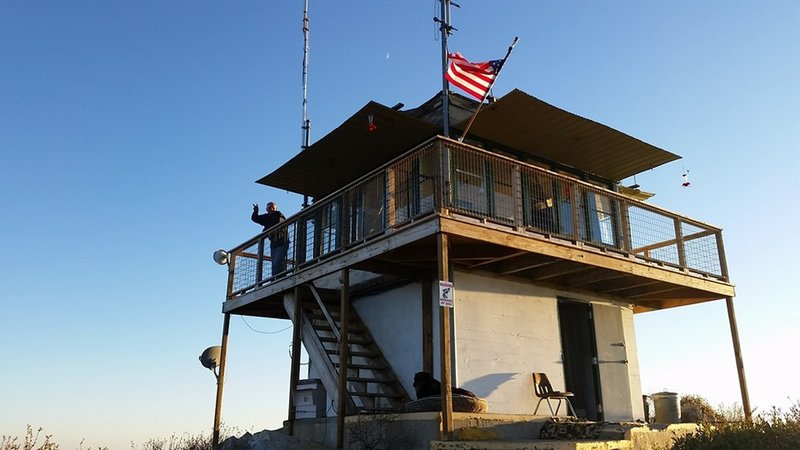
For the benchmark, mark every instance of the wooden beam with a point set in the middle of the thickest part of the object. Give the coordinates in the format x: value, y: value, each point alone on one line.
x: 444, y: 342
x: 344, y: 356
x: 458, y: 252
x: 649, y: 289
x: 498, y: 259
x: 556, y: 269
x: 382, y: 267
x: 663, y: 244
x: 404, y: 236
x: 634, y: 283
x: 595, y: 275
x: 525, y: 262
x: 583, y: 255
x: 325, y: 312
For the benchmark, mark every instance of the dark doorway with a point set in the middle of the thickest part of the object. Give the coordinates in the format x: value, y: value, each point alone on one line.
x: 579, y: 352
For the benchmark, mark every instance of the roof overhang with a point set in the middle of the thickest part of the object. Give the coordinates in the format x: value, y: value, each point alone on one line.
x: 516, y: 121
x: 525, y: 123
x: 350, y: 151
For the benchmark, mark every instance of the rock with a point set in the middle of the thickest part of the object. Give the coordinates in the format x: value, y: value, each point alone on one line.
x: 270, y: 440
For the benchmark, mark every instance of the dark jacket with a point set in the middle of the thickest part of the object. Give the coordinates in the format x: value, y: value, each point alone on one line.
x: 269, y: 220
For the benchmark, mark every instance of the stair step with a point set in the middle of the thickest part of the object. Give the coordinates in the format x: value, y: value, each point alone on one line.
x: 361, y: 366
x: 369, y: 380
x: 361, y: 342
x: 325, y: 327
x: 375, y: 395
x: 369, y: 354
x: 378, y: 409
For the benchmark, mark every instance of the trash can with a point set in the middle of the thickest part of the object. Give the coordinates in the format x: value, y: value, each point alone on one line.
x: 309, y: 399
x: 667, y: 406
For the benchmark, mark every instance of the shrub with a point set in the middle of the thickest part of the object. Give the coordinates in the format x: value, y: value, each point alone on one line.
x: 29, y: 441
x: 773, y: 430
x: 696, y: 409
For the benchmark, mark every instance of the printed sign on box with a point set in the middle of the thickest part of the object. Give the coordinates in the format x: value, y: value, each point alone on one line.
x: 446, y: 294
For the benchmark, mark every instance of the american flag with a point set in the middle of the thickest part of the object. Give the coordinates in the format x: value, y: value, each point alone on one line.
x: 474, y: 78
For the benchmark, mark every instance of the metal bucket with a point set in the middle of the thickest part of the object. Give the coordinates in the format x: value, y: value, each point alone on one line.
x: 667, y: 406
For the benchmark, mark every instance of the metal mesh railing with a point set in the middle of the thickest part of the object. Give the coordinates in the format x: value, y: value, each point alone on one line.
x: 487, y: 186
x: 502, y: 190
x: 390, y: 197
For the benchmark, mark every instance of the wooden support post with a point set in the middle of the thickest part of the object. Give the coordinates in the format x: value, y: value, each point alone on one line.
x: 427, y: 326
x: 341, y: 412
x: 295, y: 371
x: 445, y: 342
x: 220, y: 381
x: 737, y: 350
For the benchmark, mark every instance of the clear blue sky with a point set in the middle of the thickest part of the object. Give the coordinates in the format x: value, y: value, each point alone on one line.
x: 131, y: 133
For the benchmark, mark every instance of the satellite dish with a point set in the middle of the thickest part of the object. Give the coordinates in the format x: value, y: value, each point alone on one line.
x: 211, y: 357
x: 221, y: 257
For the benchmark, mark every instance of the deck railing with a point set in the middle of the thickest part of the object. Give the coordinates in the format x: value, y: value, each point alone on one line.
x: 453, y: 178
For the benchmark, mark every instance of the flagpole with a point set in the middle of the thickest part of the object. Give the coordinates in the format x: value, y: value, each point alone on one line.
x: 444, y: 27
x: 502, y: 63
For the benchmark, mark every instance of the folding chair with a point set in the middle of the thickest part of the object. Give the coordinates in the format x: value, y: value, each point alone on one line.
x: 544, y: 390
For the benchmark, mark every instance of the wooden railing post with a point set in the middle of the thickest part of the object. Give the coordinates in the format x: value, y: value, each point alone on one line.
x: 625, y: 226
x: 447, y: 182
x: 300, y: 241
x: 391, y: 196
x: 519, y: 199
x: 723, y: 261
x: 679, y: 244
x: 576, y: 218
x: 231, y: 274
x: 260, y: 261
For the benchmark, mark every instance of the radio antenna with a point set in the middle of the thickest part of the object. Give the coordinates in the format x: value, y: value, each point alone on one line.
x: 306, y: 122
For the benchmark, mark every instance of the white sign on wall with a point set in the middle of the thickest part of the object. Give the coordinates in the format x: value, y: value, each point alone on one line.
x: 446, y: 294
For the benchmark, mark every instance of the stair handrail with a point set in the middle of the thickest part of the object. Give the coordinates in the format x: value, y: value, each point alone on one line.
x: 325, y: 312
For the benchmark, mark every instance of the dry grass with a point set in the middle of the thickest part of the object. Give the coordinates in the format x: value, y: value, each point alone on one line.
x: 34, y: 440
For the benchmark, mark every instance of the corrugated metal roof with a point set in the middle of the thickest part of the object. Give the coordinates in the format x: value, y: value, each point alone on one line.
x: 517, y: 120
x: 350, y: 151
x: 525, y: 123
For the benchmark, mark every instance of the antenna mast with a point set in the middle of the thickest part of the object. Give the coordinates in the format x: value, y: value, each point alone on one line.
x: 306, y: 122
x: 444, y: 27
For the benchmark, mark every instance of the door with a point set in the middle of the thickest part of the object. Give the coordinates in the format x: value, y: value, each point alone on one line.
x: 578, y: 351
x: 612, y: 359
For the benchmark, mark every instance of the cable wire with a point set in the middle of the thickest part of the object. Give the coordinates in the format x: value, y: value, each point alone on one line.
x: 263, y: 332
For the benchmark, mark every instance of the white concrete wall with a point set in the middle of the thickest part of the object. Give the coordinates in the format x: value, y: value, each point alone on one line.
x: 505, y: 331
x: 394, y: 318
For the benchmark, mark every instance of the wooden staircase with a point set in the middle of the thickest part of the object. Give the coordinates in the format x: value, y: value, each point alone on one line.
x: 372, y: 386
